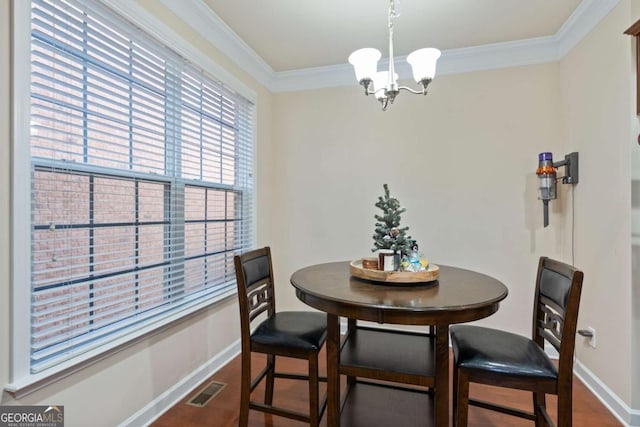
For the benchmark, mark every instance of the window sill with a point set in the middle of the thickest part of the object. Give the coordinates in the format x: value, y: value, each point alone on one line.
x: 33, y: 382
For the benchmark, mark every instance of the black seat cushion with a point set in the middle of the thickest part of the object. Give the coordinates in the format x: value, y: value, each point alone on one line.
x: 295, y: 329
x: 486, y: 349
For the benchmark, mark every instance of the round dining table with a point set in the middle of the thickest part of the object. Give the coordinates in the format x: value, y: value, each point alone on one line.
x: 391, y: 355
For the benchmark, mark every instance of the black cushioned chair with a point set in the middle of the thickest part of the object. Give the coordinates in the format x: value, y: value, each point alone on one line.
x: 297, y: 334
x: 498, y: 358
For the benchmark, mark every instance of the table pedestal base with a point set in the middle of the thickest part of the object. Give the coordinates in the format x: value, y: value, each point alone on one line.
x: 413, y: 366
x: 368, y: 405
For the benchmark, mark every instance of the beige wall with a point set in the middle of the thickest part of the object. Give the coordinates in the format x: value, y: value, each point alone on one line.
x: 124, y: 383
x: 635, y: 225
x: 461, y: 160
x: 596, y: 86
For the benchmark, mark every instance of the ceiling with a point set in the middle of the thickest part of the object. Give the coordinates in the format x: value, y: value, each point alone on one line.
x: 298, y: 34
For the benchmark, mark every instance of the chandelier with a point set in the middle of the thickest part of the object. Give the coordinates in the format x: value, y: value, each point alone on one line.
x: 384, y: 84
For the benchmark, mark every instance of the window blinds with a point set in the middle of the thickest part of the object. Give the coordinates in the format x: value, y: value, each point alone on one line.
x: 141, y: 180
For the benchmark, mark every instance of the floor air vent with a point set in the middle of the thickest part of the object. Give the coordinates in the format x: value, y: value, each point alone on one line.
x: 206, y: 394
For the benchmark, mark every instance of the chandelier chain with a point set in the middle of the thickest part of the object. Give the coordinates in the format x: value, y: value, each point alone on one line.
x: 391, y: 80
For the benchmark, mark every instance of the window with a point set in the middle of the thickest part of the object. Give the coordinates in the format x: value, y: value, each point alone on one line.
x: 141, y: 183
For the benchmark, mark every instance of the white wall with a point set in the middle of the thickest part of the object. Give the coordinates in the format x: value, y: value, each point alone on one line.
x: 5, y: 171
x: 461, y: 160
x: 113, y: 390
x: 595, y: 78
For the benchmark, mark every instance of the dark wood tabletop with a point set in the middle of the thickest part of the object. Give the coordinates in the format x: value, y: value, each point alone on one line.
x: 459, y: 295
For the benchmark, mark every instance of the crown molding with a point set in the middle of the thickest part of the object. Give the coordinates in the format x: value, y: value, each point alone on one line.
x: 453, y: 61
x: 213, y: 29
x: 153, y: 26
x: 464, y: 60
x: 584, y: 19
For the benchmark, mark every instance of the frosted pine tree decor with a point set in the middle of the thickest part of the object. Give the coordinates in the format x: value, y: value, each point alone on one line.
x: 388, y: 232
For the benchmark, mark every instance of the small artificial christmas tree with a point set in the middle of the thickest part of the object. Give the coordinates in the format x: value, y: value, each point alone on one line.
x: 388, y: 233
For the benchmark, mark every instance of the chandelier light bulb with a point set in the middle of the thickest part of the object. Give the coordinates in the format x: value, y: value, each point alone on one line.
x: 365, y: 63
x: 423, y: 63
x: 381, y: 83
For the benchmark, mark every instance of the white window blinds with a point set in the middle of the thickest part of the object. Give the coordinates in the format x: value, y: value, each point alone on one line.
x: 141, y: 181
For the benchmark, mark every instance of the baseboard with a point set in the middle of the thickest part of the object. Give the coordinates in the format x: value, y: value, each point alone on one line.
x: 629, y: 417
x: 169, y: 398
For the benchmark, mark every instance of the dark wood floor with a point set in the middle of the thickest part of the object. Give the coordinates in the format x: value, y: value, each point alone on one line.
x: 222, y: 410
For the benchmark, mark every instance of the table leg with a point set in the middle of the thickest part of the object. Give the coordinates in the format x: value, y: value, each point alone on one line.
x: 333, y: 378
x: 442, y: 376
x: 351, y: 328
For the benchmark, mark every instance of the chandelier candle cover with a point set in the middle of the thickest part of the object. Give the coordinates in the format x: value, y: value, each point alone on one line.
x: 384, y: 84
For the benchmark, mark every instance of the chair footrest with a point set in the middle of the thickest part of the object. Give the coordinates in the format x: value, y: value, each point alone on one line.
x: 502, y: 409
x: 289, y: 376
x: 287, y: 413
x: 283, y: 375
x: 274, y: 410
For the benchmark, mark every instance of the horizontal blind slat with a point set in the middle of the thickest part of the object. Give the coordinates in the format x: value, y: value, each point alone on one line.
x: 141, y: 180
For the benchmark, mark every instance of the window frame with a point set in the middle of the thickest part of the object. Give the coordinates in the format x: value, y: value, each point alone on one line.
x: 22, y: 380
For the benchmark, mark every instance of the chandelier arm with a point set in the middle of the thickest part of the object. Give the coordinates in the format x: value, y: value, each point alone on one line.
x: 417, y: 92
x: 373, y: 92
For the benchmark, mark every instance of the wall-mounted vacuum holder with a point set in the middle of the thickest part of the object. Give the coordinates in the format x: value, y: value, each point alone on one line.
x: 548, y: 178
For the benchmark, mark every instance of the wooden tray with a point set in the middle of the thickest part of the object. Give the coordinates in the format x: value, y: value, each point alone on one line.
x: 429, y: 275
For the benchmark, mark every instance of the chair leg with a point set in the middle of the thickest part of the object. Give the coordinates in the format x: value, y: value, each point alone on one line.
x: 461, y: 397
x: 314, y: 392
x: 271, y: 366
x: 539, y: 401
x: 245, y: 389
x: 565, y: 409
x: 455, y: 395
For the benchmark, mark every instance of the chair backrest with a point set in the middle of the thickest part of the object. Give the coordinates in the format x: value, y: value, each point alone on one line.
x: 555, y: 310
x: 256, y: 293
